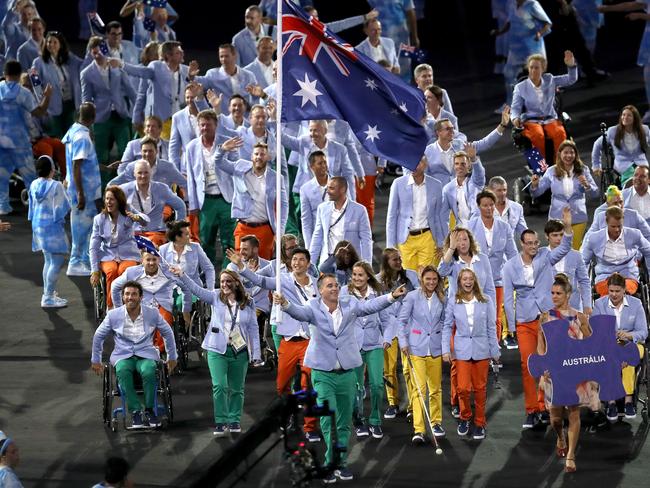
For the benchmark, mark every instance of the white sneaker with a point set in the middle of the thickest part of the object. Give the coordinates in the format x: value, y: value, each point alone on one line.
x: 78, y: 270
x: 53, y: 301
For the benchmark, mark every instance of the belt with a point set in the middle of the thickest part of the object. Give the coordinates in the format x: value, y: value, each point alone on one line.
x: 253, y: 224
x: 296, y: 339
x: 419, y: 231
x: 208, y: 195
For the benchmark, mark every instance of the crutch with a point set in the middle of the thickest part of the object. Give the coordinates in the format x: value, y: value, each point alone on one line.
x: 424, y: 406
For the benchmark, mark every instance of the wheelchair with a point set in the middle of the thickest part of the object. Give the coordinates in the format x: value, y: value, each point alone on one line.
x: 100, y: 298
x: 269, y: 354
x: 163, y: 405
x: 189, y: 338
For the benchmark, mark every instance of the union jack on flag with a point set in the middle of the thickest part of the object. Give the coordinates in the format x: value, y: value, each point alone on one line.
x: 324, y: 77
x: 536, y: 161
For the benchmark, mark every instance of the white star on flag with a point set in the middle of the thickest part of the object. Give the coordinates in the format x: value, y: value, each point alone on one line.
x: 307, y: 91
x: 372, y: 133
x: 403, y: 106
x: 372, y: 84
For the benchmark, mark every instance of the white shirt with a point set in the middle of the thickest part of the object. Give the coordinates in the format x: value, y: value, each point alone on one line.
x: 336, y: 231
x: 560, y: 265
x: 630, y: 141
x: 181, y: 259
x: 567, y: 184
x: 228, y: 326
x: 175, y: 91
x: 256, y: 186
x: 133, y: 329
x: 489, y: 235
x: 211, y: 180
x: 194, y: 124
x: 337, y: 319
x: 377, y: 53
x: 640, y: 203
x: 461, y: 200
x: 538, y: 92
x: 618, y: 311
x: 152, y: 283
x: 305, y: 293
x: 503, y: 215
x: 64, y: 81
x: 234, y: 81
x: 419, y: 218
x: 447, y: 157
x: 104, y: 73
x: 529, y: 273
x: 145, y: 203
x: 267, y: 71
x: 470, y: 265
x: 469, y: 310
x: 615, y: 251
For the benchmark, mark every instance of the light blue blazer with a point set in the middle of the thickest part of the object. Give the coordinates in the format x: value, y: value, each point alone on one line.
x: 482, y: 268
x: 418, y: 327
x: 526, y: 105
x: 430, y: 123
x: 311, y: 196
x: 196, y: 261
x: 475, y: 182
x: 357, y: 230
x: 289, y: 325
x: 219, y: 81
x: 575, y: 269
x: 194, y: 165
x: 27, y: 53
x: 163, y: 296
x: 50, y: 74
x: 242, y: 200
x: 343, y: 276
x: 133, y: 152
x: 628, y: 193
x: 255, y: 68
x: 370, y: 329
x: 143, y: 99
x: 160, y: 77
x: 338, y: 161
x: 182, y: 133
x: 631, y: 217
x: 142, y: 36
x: 531, y: 300
x: 161, y: 195
x: 437, y: 168
x: 13, y: 33
x: 260, y: 295
x: 478, y: 342
x: 120, y: 95
x: 503, y: 244
x: 328, y: 351
x: 623, y: 158
x: 515, y: 218
x: 593, y: 248
x: 412, y: 283
x: 400, y: 211
x: 165, y: 173
x: 387, y: 47
x: 249, y: 140
x: 577, y: 201
x: 125, y: 348
x: 246, y: 46
x: 101, y: 246
x: 632, y: 316
x: 216, y: 339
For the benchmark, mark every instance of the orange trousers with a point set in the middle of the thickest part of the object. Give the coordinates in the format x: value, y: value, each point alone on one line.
x: 194, y: 227
x: 366, y: 196
x: 499, y: 290
x: 113, y: 269
x: 53, y: 148
x: 527, y: 338
x: 472, y: 376
x: 537, y: 134
x: 264, y: 234
x: 290, y: 355
x: 158, y: 237
x: 157, y: 337
x: 631, y: 287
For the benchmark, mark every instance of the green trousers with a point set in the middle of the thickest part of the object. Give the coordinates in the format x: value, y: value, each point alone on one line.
x: 116, y: 130
x: 124, y: 370
x: 228, y: 372
x: 338, y: 389
x: 374, y: 362
x: 294, y: 225
x: 59, y: 124
x: 215, y: 219
x: 276, y: 337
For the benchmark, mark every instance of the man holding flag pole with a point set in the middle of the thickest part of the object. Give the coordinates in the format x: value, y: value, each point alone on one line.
x: 322, y: 77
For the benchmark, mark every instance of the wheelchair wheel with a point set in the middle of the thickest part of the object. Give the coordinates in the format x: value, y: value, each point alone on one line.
x: 99, y: 299
x: 107, y: 396
x: 165, y: 392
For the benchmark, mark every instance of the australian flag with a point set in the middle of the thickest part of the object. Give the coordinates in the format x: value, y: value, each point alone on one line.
x: 149, y: 24
x: 412, y: 52
x: 104, y: 49
x: 146, y: 245
x: 323, y: 77
x: 536, y: 161
x: 96, y: 23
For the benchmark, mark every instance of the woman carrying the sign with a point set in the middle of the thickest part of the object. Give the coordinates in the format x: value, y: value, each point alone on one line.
x: 587, y: 391
x: 232, y: 341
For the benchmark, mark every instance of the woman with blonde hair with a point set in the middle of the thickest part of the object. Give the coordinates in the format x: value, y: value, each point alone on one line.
x: 578, y: 328
x: 569, y: 181
x: 419, y: 332
x: 470, y: 317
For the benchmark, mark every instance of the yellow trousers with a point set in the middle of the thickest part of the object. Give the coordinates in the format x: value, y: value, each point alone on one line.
x: 629, y: 376
x: 166, y: 133
x: 390, y: 373
x: 428, y: 374
x: 578, y: 234
x: 419, y: 251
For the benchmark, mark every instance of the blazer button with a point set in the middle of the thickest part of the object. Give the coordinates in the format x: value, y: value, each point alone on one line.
x: 337, y: 348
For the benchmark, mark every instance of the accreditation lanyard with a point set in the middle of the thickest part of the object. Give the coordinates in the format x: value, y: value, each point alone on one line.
x: 137, y: 194
x: 301, y: 290
x: 235, y: 337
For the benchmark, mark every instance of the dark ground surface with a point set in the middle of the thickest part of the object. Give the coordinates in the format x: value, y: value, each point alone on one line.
x: 50, y: 401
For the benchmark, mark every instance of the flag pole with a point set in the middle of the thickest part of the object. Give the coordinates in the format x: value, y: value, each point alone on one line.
x: 278, y: 155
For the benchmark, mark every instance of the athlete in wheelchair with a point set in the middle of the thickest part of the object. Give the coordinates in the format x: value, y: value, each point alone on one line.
x: 133, y: 326
x: 631, y: 326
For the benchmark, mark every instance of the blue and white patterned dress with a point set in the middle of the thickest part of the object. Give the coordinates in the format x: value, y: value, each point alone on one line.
x: 48, y: 207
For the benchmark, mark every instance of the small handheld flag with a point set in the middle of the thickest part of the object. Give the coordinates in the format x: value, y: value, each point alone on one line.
x: 412, y: 52
x: 103, y: 48
x: 156, y: 3
x: 145, y: 244
x: 96, y: 23
x: 149, y: 24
